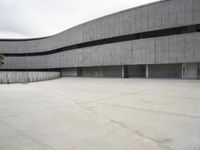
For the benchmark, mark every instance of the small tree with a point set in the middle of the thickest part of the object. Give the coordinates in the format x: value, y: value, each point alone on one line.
x: 1, y: 59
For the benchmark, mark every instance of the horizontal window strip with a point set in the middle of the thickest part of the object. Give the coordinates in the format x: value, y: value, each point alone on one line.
x: 130, y: 37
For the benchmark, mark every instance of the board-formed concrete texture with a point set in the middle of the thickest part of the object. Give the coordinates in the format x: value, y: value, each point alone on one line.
x: 23, y: 77
x: 164, y: 33
x: 100, y: 114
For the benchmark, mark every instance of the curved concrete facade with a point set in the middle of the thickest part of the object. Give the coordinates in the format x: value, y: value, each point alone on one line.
x: 156, y: 40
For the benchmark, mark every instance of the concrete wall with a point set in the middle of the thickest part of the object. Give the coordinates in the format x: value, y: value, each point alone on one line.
x: 161, y: 50
x: 189, y: 71
x: 20, y: 77
x: 160, y: 15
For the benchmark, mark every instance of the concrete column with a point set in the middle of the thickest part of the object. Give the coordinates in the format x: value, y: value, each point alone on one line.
x: 124, y: 72
x: 147, y: 71
x: 198, y: 71
x: 183, y: 71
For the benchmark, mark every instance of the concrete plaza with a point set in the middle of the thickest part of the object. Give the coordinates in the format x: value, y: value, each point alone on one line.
x: 100, y: 114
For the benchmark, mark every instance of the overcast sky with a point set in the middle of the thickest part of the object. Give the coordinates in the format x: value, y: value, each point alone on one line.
x: 37, y: 18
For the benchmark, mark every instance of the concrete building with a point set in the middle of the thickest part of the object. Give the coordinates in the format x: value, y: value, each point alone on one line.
x: 158, y: 40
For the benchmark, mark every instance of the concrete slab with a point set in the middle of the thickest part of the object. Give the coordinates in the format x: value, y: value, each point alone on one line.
x: 100, y: 114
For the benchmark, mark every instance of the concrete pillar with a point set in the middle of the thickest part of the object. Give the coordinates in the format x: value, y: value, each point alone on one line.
x: 124, y: 72
x: 198, y: 71
x: 147, y: 71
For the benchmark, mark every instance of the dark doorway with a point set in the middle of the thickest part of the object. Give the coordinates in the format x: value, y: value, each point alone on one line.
x: 136, y: 71
x: 165, y: 71
x: 104, y: 71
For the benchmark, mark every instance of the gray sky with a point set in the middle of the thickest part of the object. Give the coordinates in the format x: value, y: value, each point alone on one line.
x: 37, y: 18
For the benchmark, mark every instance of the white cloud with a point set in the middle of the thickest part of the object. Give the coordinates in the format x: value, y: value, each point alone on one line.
x: 36, y: 18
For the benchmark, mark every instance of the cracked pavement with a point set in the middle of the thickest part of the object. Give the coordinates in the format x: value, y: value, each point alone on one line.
x: 100, y: 114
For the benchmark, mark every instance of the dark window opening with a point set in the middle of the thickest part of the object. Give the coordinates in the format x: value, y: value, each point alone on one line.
x: 198, y: 71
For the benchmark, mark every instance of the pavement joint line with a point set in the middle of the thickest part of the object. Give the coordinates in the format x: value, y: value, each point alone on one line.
x: 152, y: 111
x: 103, y: 99
x: 115, y: 122
x: 142, y: 109
x: 138, y: 93
x: 164, y: 143
x: 134, y: 132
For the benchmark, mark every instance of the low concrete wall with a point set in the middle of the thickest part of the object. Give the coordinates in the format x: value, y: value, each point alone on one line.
x: 21, y: 77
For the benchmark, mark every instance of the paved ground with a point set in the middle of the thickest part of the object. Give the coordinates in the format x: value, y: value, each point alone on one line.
x: 100, y: 114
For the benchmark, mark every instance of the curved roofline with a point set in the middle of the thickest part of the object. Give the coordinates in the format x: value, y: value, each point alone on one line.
x: 118, y: 12
x: 45, y: 37
x: 28, y: 39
